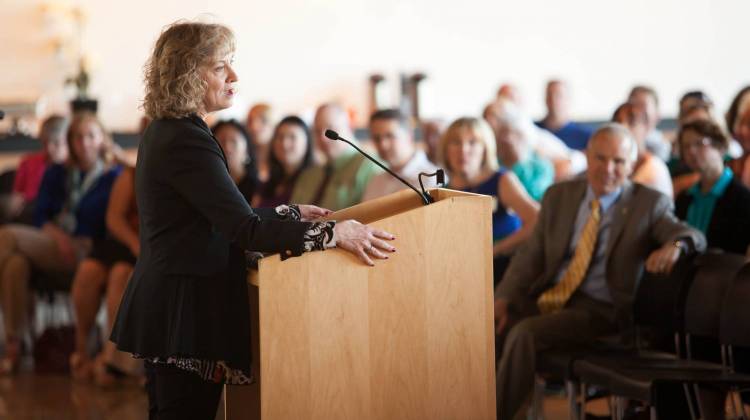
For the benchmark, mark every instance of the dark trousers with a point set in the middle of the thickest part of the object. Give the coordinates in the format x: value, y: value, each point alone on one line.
x: 576, y: 326
x: 175, y: 393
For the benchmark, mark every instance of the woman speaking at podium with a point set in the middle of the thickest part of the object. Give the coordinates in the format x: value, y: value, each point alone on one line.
x: 185, y: 311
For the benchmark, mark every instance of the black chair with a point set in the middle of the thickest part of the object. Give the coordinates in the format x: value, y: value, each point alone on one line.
x: 735, y: 319
x: 52, y: 294
x: 656, y: 297
x: 641, y: 379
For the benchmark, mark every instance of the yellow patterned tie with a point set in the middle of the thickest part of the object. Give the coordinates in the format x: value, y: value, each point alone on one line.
x: 554, y: 299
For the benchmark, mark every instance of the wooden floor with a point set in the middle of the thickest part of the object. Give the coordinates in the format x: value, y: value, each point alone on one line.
x: 28, y: 396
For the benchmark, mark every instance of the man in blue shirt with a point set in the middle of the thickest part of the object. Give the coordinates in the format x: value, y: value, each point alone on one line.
x: 575, y: 278
x: 557, y: 121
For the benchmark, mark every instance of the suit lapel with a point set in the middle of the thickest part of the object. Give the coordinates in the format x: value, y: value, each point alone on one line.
x: 622, y: 212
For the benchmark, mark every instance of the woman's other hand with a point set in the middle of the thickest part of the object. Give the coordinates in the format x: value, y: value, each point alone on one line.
x: 310, y: 213
x: 363, y: 241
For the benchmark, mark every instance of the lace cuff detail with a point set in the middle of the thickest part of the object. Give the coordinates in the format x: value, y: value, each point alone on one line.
x: 320, y: 236
x: 289, y: 213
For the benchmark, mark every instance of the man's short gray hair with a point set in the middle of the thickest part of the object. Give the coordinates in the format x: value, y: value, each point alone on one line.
x: 620, y: 131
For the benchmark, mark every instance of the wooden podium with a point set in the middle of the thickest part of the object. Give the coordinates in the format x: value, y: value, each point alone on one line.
x: 411, y: 338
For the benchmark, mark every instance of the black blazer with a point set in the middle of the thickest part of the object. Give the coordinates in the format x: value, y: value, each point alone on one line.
x: 188, y: 294
x: 729, y: 228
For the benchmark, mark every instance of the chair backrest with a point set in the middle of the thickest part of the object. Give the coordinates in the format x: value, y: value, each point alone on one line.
x: 660, y: 299
x: 713, y: 277
x: 735, y: 314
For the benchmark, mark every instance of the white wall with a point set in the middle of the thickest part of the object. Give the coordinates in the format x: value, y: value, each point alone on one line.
x: 298, y: 53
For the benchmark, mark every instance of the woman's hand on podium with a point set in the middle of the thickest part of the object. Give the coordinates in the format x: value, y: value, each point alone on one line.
x: 363, y: 241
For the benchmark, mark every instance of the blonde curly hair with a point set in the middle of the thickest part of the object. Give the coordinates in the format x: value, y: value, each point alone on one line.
x: 172, y: 75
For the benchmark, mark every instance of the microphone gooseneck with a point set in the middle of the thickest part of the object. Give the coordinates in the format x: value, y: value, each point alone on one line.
x: 426, y: 199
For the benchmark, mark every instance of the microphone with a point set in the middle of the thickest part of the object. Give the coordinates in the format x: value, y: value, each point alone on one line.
x: 426, y: 198
x: 440, y: 174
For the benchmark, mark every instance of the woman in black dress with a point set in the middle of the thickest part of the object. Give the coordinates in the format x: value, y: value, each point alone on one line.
x: 185, y: 310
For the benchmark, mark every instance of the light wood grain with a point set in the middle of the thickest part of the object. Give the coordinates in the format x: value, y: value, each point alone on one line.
x: 411, y: 338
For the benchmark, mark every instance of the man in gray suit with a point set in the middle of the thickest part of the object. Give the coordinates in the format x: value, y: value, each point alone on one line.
x: 575, y: 279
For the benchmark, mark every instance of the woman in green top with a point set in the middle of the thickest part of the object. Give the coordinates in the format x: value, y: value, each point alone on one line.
x: 718, y: 204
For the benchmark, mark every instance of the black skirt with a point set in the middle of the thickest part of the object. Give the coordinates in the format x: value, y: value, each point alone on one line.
x: 110, y: 251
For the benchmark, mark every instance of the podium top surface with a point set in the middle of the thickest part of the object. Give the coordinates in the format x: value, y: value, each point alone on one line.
x: 393, y: 204
x: 385, y: 207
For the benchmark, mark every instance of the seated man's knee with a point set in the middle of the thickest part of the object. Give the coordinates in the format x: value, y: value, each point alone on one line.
x: 524, y: 330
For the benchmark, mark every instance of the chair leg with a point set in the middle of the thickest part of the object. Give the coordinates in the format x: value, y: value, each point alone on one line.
x: 614, y: 407
x: 570, y: 390
x: 537, y: 400
x: 653, y: 416
x: 697, y: 393
x: 622, y: 405
x: 582, y: 413
x: 744, y: 411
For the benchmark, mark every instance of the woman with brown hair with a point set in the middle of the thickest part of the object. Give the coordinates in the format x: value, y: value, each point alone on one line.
x: 185, y: 310
x: 291, y: 154
x: 718, y: 204
x: 738, y: 120
x: 69, y: 215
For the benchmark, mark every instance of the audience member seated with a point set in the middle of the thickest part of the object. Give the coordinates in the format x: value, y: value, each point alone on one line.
x: 693, y: 106
x: 739, y: 123
x: 567, y: 162
x: 392, y: 137
x: 644, y: 98
x: 648, y: 169
x: 342, y: 180
x: 575, y: 279
x: 260, y: 130
x: 69, y: 214
x: 718, y: 204
x: 510, y: 92
x: 689, y: 100
x: 291, y: 153
x: 512, y: 132
x: 432, y: 130
x: 32, y: 166
x: 103, y: 275
x: 557, y: 120
x: 697, y: 105
x: 234, y: 141
x: 467, y: 151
